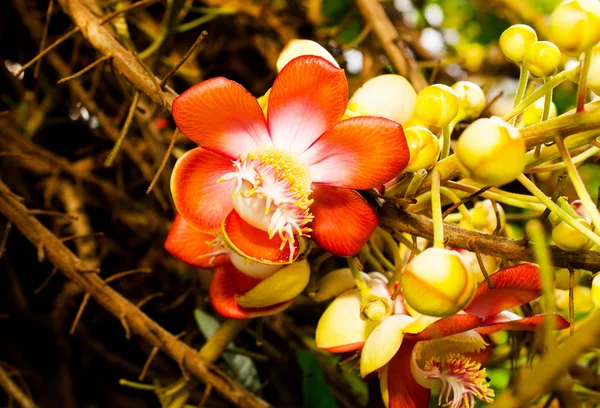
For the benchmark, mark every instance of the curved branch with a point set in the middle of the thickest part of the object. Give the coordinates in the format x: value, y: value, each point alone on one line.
x: 138, y: 322
x: 506, y: 248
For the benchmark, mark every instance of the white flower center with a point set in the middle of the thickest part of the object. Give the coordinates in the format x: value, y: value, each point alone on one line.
x: 462, y: 379
x: 270, y: 190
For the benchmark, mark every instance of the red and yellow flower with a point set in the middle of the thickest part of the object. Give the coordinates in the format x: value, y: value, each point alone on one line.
x: 293, y: 174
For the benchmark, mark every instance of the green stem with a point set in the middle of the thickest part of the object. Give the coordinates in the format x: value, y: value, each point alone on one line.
x: 580, y: 188
x: 445, y: 191
x: 379, y: 256
x: 446, y: 141
x: 358, y: 279
x: 583, y: 76
x: 416, y: 181
x: 436, y: 209
x: 392, y: 246
x: 576, y: 225
x: 523, y: 77
x: 210, y: 15
x: 547, y: 102
x: 535, y: 231
x: 592, y: 151
x: 365, y: 253
x: 537, y: 94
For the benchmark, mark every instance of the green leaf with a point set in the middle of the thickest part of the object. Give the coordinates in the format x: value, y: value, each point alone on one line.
x: 314, y: 384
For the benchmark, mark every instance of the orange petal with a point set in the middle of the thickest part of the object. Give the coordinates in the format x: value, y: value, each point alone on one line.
x: 225, y: 284
x: 189, y: 245
x: 254, y: 243
x: 199, y: 199
x: 447, y: 326
x: 360, y: 153
x: 308, y: 97
x: 343, y: 220
x: 398, y: 383
x: 513, y: 322
x: 221, y: 116
x: 513, y: 287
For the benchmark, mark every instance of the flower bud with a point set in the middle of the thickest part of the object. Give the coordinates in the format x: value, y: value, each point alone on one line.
x: 424, y: 148
x: 568, y: 239
x: 515, y: 40
x: 375, y: 308
x: 534, y: 112
x: 583, y: 301
x: 562, y: 277
x: 437, y: 105
x: 542, y: 59
x: 437, y: 283
x: 471, y: 100
x: 596, y: 290
x: 483, y: 216
x: 491, y: 152
x: 575, y: 25
x: 298, y: 47
x: 389, y: 96
x: 469, y: 258
x: 593, y: 79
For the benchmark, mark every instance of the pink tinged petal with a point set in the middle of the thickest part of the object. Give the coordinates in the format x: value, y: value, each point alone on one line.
x: 513, y: 322
x: 191, y: 246
x: 513, y: 286
x: 360, y: 153
x: 220, y: 115
x: 383, y: 343
x: 225, y: 284
x: 447, y: 326
x: 343, y: 220
x: 308, y: 97
x: 398, y: 383
x: 340, y: 328
x: 199, y: 199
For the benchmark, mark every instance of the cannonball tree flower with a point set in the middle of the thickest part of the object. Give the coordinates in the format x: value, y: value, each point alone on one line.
x: 288, y: 176
x: 414, y: 354
x: 259, y: 290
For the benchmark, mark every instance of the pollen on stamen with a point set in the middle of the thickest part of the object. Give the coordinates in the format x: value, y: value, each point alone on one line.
x: 219, y: 245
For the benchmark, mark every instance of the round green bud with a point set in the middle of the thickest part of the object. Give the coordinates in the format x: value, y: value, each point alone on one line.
x: 534, y: 112
x: 542, y: 59
x: 437, y: 105
x: 471, y: 100
x: 515, y: 40
x: 575, y: 25
x: 424, y: 148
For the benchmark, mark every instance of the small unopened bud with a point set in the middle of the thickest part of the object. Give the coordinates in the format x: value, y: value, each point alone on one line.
x: 491, y: 152
x: 593, y: 79
x: 483, y: 216
x: 575, y: 25
x: 374, y: 308
x: 569, y: 239
x: 542, y: 59
x: 471, y: 100
x: 515, y: 40
x: 562, y: 278
x: 424, y: 148
x: 389, y: 96
x: 298, y: 47
x: 437, y: 283
x: 534, y: 112
x: 437, y: 105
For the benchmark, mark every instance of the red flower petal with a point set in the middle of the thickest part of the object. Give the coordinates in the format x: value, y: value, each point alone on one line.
x: 403, y: 390
x: 360, y: 153
x: 513, y: 287
x: 532, y: 323
x: 220, y: 115
x: 343, y: 219
x: 254, y: 243
x: 446, y: 327
x: 189, y: 245
x: 226, y: 282
x: 345, y: 348
x: 199, y: 199
x: 308, y: 97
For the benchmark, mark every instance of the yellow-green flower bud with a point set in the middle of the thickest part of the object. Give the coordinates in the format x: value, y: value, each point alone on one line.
x: 390, y: 96
x: 375, y: 308
x: 575, y: 25
x: 596, y: 290
x: 515, y: 40
x: 471, y: 100
x: 562, y: 277
x: 593, y: 79
x: 568, y: 239
x: 437, y: 283
x: 424, y: 148
x: 541, y: 59
x: 298, y: 47
x: 483, y: 216
x: 583, y: 301
x: 491, y: 152
x: 534, y: 112
x: 437, y: 105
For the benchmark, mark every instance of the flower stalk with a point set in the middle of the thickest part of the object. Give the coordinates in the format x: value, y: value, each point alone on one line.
x: 583, y: 75
x: 521, y: 87
x: 436, y: 209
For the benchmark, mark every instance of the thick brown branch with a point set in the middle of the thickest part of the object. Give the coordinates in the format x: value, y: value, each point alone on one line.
x: 494, y: 245
x: 62, y: 258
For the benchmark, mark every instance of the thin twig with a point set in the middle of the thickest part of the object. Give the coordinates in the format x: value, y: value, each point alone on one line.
x: 465, y: 200
x: 5, y: 237
x: 45, y: 282
x: 164, y: 161
x: 182, y: 61
x: 84, y: 302
x: 52, y: 213
x: 36, y: 71
x: 47, y: 50
x: 124, y: 130
x: 86, y: 69
x: 13, y: 390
